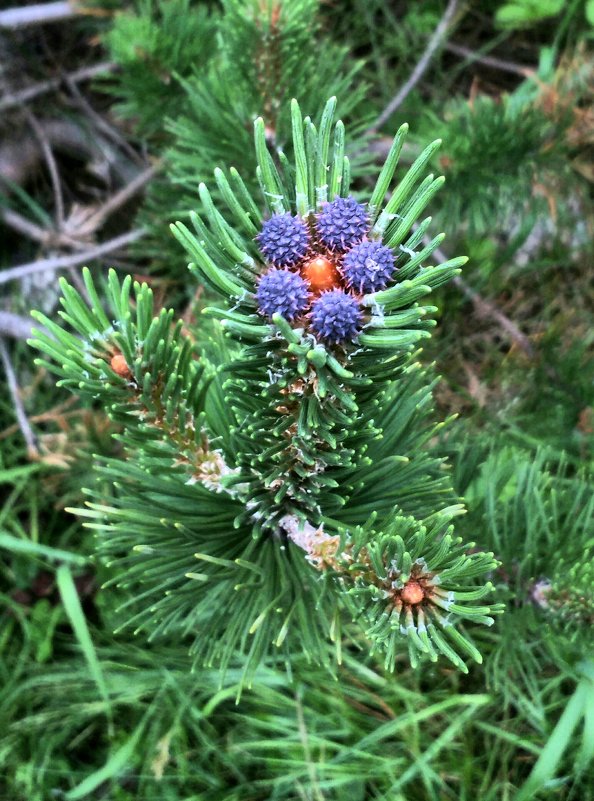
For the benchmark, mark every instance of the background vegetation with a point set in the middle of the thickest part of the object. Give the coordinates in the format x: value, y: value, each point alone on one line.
x: 110, y: 118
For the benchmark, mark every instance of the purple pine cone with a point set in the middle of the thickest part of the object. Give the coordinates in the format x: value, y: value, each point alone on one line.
x: 342, y: 223
x: 368, y: 267
x: 336, y: 316
x: 284, y: 240
x: 282, y: 291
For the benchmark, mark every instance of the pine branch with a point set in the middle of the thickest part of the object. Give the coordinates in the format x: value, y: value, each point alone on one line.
x: 292, y: 465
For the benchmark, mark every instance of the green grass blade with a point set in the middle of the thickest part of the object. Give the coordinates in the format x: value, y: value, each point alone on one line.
x: 550, y: 757
x: 16, y: 545
x: 112, y: 768
x: 586, y: 753
x: 446, y: 738
x: 72, y: 605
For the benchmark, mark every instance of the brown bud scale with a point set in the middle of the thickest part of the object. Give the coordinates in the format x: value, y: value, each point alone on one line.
x: 412, y: 593
x: 120, y: 366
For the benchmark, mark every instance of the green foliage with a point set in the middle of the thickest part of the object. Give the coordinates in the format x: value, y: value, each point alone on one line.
x: 527, y: 12
x: 533, y: 506
x: 495, y: 152
x: 88, y: 713
x: 265, y: 56
x: 177, y: 733
x: 580, y: 705
x: 198, y: 102
x: 523, y: 13
x: 382, y: 572
x: 568, y: 596
x: 155, y: 46
x: 211, y: 474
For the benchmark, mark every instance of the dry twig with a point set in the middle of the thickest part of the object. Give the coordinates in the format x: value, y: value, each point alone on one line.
x: 19, y: 410
x: 18, y: 159
x: 64, y: 262
x: 432, y: 45
x: 43, y: 87
x: 121, y: 197
x: 24, y: 226
x: 37, y: 15
x: 485, y: 308
x: 490, y: 61
x: 100, y: 123
x: 15, y: 326
x: 58, y: 414
x: 51, y: 166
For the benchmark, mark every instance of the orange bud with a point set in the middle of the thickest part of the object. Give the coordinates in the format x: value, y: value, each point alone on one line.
x: 120, y: 366
x: 321, y: 274
x: 412, y: 593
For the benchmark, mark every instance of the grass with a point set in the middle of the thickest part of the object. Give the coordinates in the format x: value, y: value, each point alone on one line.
x: 89, y: 714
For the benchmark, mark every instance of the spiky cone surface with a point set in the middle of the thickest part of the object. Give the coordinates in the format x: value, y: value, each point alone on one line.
x: 282, y: 292
x: 342, y: 223
x: 336, y: 317
x: 283, y: 240
x: 249, y: 461
x: 368, y: 267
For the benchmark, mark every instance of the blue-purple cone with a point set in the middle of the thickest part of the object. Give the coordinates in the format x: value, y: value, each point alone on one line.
x: 342, y: 223
x: 336, y: 316
x: 284, y: 240
x: 368, y: 267
x: 282, y: 292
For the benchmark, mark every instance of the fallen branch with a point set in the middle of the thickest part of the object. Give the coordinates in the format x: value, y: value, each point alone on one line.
x: 15, y: 326
x: 59, y: 413
x: 19, y: 158
x: 485, y: 308
x: 436, y: 40
x: 43, y: 87
x: 37, y: 15
x: 490, y: 61
x: 24, y: 226
x: 19, y: 409
x: 101, y: 124
x: 52, y: 167
x: 121, y: 197
x: 63, y: 262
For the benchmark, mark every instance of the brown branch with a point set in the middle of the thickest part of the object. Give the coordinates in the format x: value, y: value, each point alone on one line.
x: 89, y: 224
x: 19, y: 409
x: 50, y: 161
x: 19, y: 158
x: 100, y: 123
x: 490, y: 61
x: 47, y: 238
x: 59, y: 413
x: 37, y: 15
x: 121, y: 197
x: 64, y: 262
x: 432, y: 45
x: 15, y: 326
x: 485, y: 308
x: 24, y: 226
x: 43, y: 87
